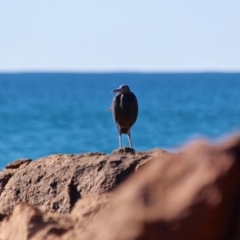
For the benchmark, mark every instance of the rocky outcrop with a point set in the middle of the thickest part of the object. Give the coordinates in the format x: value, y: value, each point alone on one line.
x: 56, y: 183
x: 191, y: 195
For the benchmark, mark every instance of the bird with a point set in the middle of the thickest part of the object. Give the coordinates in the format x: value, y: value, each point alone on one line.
x: 125, y: 111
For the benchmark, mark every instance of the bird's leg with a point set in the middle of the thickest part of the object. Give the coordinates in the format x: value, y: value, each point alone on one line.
x: 120, y: 137
x: 129, y: 139
x: 120, y: 140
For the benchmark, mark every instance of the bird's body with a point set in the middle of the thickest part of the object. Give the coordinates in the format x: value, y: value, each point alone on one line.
x: 125, y: 111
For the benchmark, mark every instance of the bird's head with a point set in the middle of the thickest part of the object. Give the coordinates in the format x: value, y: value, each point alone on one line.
x: 122, y: 89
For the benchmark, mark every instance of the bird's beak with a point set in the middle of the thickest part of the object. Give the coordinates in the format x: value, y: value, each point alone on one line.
x: 117, y: 90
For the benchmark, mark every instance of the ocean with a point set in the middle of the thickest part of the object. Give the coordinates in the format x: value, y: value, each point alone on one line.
x: 55, y: 113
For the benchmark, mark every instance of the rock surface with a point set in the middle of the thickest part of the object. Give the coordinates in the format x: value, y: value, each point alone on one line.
x: 191, y: 195
x: 57, y: 182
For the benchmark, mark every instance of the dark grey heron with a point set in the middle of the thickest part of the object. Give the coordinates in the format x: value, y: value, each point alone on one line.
x: 125, y: 111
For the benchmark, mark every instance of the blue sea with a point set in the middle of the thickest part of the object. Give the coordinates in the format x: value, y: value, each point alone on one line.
x: 54, y: 113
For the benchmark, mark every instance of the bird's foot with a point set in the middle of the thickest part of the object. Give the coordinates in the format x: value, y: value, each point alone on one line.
x: 124, y: 150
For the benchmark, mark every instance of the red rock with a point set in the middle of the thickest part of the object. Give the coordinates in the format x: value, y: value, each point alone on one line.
x: 57, y: 182
x: 28, y: 223
x: 191, y: 195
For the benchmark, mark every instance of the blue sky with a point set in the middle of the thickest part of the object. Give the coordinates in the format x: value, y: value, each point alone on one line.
x: 126, y: 35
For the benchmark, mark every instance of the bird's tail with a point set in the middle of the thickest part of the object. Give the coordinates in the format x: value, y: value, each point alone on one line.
x: 124, y: 130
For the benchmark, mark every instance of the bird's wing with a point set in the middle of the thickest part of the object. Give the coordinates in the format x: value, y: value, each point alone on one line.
x: 133, y: 103
x: 130, y: 105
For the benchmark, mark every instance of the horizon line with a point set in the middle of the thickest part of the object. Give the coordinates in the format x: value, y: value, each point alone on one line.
x: 120, y: 72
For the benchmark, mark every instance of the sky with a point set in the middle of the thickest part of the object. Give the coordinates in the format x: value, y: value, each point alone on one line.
x: 126, y: 35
